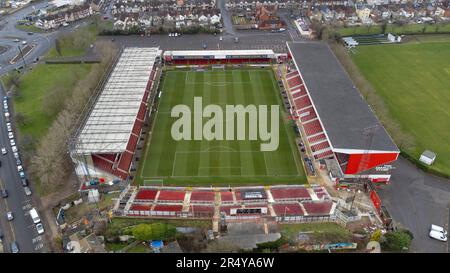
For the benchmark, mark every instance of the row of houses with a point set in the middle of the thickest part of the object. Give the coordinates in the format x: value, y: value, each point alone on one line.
x: 365, y: 14
x: 165, y: 14
x: 64, y: 16
x: 167, y: 20
x: 135, y: 6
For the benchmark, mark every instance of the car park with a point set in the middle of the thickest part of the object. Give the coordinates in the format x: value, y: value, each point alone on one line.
x: 40, y: 228
x: 14, y: 247
x: 9, y: 216
x: 4, y: 193
x: 27, y: 190
x: 4, y: 152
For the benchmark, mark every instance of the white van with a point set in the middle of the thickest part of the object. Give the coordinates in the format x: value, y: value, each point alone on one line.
x: 34, y: 216
x: 438, y: 235
x: 439, y: 229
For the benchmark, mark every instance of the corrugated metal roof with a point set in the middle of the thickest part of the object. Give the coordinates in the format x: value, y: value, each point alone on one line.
x: 109, y: 125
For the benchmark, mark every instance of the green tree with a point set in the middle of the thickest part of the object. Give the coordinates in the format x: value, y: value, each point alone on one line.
x: 397, y: 240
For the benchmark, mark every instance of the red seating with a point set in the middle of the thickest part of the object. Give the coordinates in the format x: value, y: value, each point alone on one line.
x: 317, y: 208
x: 292, y: 74
x: 316, y: 138
x: 320, y: 146
x: 293, y: 193
x: 203, y: 196
x: 294, y: 81
x: 175, y: 196
x: 226, y: 196
x: 324, y: 154
x: 176, y: 208
x: 146, y: 195
x: 312, y: 115
x: 312, y: 128
x: 298, y: 94
x: 302, y: 102
x: 288, y: 209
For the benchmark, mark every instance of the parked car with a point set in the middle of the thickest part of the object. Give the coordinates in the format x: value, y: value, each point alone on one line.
x: 19, y: 168
x: 10, y: 135
x: 14, y: 247
x: 40, y: 228
x: 9, y: 126
x: 13, y: 143
x: 438, y: 235
x: 24, y: 42
x: 9, y: 216
x: 22, y: 174
x: 4, y: 193
x: 14, y: 149
x: 4, y: 152
x: 18, y: 161
x: 16, y: 154
x: 24, y: 181
x: 16, y: 40
x: 27, y: 191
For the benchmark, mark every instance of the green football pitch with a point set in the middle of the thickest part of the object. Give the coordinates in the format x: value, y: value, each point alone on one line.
x: 218, y: 162
x: 413, y: 79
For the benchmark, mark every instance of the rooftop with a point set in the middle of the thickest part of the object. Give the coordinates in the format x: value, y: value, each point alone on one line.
x: 110, y: 122
x: 342, y: 110
x: 219, y: 54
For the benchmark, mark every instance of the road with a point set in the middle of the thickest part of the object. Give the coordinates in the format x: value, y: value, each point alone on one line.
x: 21, y: 229
x: 226, y: 18
x: 416, y: 200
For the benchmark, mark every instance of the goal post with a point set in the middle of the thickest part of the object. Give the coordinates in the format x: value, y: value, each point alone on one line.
x: 153, y: 182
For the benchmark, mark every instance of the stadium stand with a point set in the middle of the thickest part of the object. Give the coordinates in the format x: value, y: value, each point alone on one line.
x: 340, y: 114
x: 145, y: 195
x: 287, y: 209
x: 290, y: 194
x: 105, y: 143
x: 202, y: 197
x: 167, y: 196
x: 318, y: 208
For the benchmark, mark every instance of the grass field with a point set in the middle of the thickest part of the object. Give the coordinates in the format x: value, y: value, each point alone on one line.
x: 33, y: 89
x: 218, y: 162
x: 413, y: 79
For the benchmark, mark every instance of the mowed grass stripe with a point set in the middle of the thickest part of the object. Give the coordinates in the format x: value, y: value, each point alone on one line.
x: 215, y: 162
